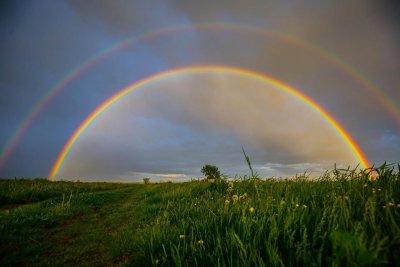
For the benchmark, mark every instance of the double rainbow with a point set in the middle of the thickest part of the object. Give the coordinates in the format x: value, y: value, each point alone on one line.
x: 191, y: 69
x: 334, y: 60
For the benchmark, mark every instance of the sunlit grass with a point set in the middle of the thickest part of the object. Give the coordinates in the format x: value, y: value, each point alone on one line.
x: 343, y: 218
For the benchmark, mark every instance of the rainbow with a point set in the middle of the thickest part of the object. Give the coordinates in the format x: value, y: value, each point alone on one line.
x: 345, y: 68
x: 100, y: 109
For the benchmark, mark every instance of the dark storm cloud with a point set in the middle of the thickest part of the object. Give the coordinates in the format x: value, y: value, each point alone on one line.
x: 44, y: 40
x: 359, y: 32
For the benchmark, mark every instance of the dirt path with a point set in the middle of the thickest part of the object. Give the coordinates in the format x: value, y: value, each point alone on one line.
x: 101, y: 236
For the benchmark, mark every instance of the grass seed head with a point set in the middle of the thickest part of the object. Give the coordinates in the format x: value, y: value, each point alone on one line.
x: 235, y: 198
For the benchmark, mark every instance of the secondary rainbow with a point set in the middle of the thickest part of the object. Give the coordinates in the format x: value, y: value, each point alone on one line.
x: 99, y: 110
x: 87, y: 64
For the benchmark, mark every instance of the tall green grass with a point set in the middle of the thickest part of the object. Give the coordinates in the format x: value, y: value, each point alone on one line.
x: 343, y: 218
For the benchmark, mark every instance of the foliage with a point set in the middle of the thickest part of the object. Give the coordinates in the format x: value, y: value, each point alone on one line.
x: 253, y: 175
x: 45, y: 223
x: 146, y: 180
x: 211, y: 171
x: 343, y: 218
x: 19, y: 191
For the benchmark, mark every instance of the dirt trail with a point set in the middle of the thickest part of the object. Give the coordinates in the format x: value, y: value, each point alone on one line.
x: 100, y: 235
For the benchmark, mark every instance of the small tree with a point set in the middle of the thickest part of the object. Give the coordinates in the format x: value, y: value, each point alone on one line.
x: 146, y: 180
x: 211, y: 171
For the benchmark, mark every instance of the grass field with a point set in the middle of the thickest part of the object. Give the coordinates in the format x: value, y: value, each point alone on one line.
x: 341, y: 219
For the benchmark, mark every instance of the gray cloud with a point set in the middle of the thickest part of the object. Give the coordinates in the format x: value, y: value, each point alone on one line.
x: 180, y: 122
x: 42, y: 41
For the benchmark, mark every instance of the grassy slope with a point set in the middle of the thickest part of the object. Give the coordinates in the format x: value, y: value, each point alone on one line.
x: 321, y: 223
x: 14, y: 192
x: 83, y: 230
x: 338, y: 222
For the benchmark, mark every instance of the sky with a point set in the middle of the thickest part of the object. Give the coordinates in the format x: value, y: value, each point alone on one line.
x: 63, y: 59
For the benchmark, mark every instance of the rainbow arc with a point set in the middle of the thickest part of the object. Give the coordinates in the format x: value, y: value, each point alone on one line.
x: 356, y: 151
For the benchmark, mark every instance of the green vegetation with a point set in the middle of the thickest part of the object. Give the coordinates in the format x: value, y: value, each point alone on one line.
x: 19, y: 191
x: 343, y: 218
x: 211, y: 171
